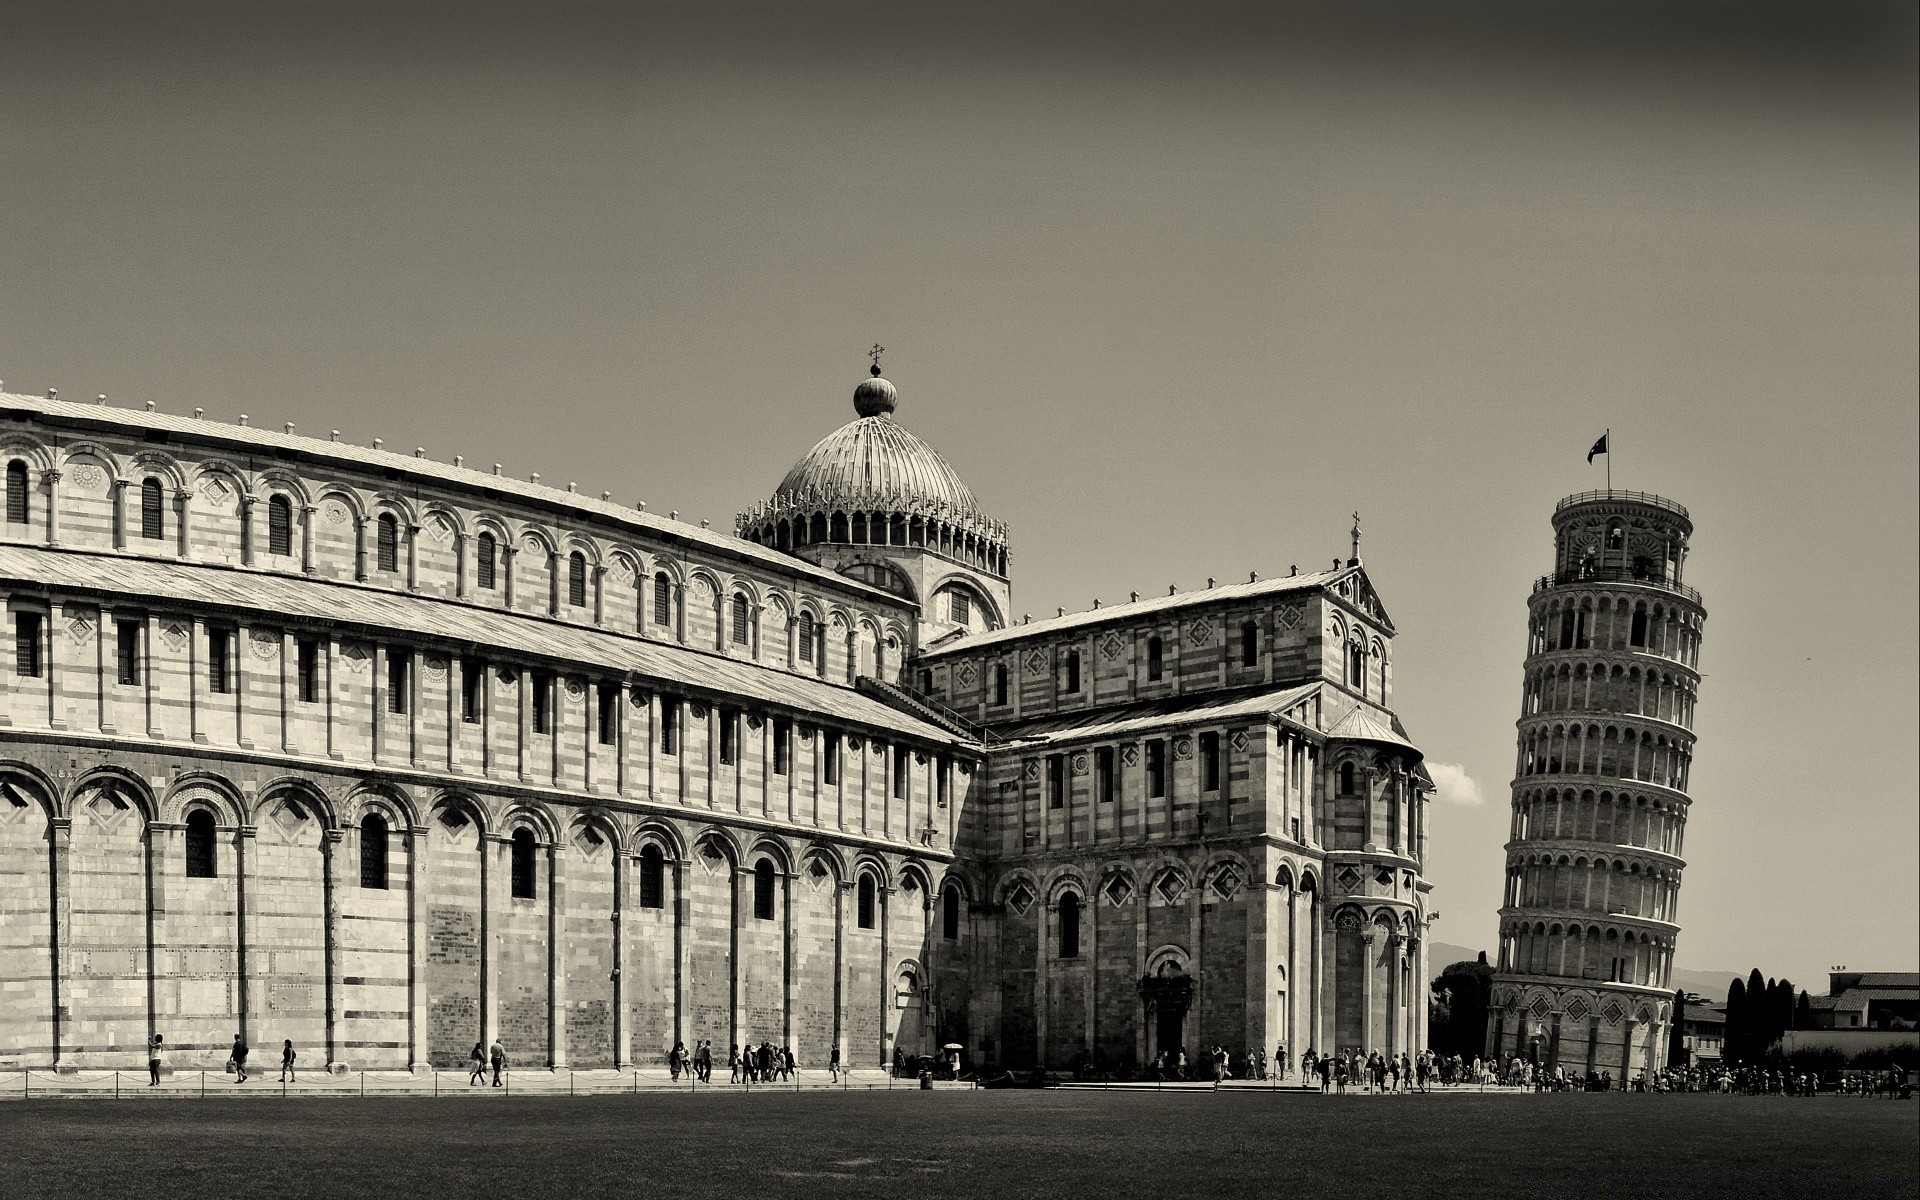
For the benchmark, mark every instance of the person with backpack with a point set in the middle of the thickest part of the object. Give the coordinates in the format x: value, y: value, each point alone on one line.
x: 478, y: 1061
x: 238, y: 1060
x: 286, y: 1061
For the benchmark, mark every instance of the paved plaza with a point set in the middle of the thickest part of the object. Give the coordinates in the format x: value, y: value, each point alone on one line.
x: 952, y: 1143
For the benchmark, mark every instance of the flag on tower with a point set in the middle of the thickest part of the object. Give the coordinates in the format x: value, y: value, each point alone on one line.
x: 1599, y: 447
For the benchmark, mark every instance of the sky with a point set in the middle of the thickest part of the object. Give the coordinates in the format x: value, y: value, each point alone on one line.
x: 1176, y: 288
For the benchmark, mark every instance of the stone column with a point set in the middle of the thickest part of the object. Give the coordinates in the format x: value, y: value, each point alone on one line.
x: 553, y: 583
x: 842, y: 982
x: 1367, y: 939
x: 183, y: 506
x: 51, y: 478
x: 460, y: 565
x: 417, y: 947
x: 248, y: 923
x: 118, y: 490
x: 413, y: 558
x: 682, y: 945
x: 787, y: 880
x: 741, y: 881
x: 526, y: 724
x: 496, y: 877
x: 508, y: 553
x: 160, y: 852
x: 330, y: 870
x: 359, y: 548
x: 599, y: 595
x: 556, y: 953
x: 60, y: 869
x: 622, y: 1026
x: 246, y: 530
x: 306, y: 538
x: 50, y: 644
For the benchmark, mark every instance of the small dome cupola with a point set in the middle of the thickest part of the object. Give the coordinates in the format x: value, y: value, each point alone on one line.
x: 875, y: 397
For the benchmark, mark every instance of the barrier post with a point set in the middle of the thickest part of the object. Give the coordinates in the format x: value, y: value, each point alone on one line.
x: 363, y: 1083
x: 203, y: 1085
x: 116, y: 1085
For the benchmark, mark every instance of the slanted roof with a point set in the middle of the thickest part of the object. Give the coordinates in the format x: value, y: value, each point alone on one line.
x: 1136, y: 610
x: 1106, y: 723
x: 1362, y: 724
x: 372, y: 611
x: 248, y: 438
x: 1888, y: 979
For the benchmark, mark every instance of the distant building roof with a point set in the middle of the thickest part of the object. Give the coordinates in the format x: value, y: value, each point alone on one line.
x: 1134, y: 610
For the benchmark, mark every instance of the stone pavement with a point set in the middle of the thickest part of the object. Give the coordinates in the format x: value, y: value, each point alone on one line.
x: 133, y: 1085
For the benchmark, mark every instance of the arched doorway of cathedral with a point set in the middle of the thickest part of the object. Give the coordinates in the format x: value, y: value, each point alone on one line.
x: 1167, y: 991
x: 907, y: 1017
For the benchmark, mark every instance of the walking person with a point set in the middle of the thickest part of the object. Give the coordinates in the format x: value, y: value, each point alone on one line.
x: 239, y: 1058
x: 733, y: 1063
x: 497, y: 1056
x: 286, y: 1061
x: 787, y: 1063
x: 833, y: 1064
x: 477, y: 1071
x: 156, y: 1048
x: 899, y: 1061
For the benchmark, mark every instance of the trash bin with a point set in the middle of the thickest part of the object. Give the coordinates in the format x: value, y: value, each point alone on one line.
x: 926, y: 1080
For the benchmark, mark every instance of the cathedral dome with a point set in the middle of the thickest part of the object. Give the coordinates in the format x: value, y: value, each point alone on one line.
x: 875, y: 463
x: 872, y: 480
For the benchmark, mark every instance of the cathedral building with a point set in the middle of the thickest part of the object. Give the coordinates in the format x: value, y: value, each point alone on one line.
x: 1589, y: 920
x: 389, y: 756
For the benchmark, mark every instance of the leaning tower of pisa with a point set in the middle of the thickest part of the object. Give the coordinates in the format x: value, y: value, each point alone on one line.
x: 1591, y: 910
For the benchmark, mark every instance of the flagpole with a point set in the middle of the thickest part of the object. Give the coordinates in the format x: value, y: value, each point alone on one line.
x: 1609, y: 458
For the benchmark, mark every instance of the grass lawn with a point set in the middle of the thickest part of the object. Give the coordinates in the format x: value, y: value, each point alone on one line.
x: 997, y: 1145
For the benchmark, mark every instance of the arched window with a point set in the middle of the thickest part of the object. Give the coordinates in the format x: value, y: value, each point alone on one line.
x: 279, y: 525
x: 17, y: 493
x: 1073, y: 671
x: 202, y: 862
x: 662, y: 599
x: 1249, y: 645
x: 1156, y: 658
x: 1069, y: 926
x: 577, y: 579
x: 806, y: 637
x: 653, y: 878
x: 1638, y: 636
x: 950, y: 915
x: 153, y: 513
x: 486, y: 555
x: 867, y: 897
x: 1346, y: 779
x: 1000, y: 683
x: 387, y: 543
x: 739, y: 614
x: 373, y: 852
x: 523, y: 859
x: 763, y: 876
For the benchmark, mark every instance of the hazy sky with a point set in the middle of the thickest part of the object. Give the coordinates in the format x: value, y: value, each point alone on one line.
x: 1175, y: 287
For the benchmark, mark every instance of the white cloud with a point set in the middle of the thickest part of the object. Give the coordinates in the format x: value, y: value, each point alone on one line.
x: 1453, y: 785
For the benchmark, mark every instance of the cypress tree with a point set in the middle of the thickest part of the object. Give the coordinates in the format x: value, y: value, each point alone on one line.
x: 1734, y: 1045
x: 1677, y: 1037
x: 1803, y: 1013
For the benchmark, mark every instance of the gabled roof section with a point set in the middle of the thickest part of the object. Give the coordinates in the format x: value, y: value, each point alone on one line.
x: 371, y: 613
x: 249, y: 439
x: 1139, y: 610
x: 1364, y: 598
x: 1145, y: 718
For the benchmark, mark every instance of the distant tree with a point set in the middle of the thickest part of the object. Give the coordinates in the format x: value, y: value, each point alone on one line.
x: 1464, y: 989
x: 1803, y: 1013
x: 1733, y: 1046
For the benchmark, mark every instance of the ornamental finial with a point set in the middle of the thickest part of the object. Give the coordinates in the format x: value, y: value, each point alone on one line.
x: 1356, y: 539
x: 875, y: 354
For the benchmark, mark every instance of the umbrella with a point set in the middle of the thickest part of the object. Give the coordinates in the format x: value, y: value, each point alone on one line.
x: 953, y: 1046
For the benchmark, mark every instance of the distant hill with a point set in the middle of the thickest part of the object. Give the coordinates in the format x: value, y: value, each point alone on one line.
x: 1711, y: 984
